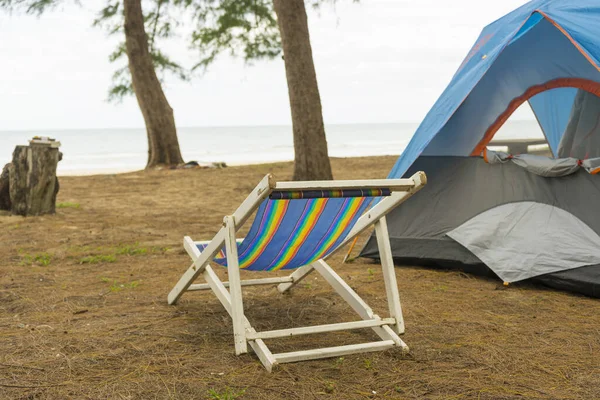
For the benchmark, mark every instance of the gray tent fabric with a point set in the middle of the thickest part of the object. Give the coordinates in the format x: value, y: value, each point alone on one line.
x: 548, y: 167
x: 539, y: 165
x: 461, y: 188
x: 582, y: 135
x: 527, y: 239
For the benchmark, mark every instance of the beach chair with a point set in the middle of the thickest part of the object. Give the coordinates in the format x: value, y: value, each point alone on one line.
x: 298, y: 225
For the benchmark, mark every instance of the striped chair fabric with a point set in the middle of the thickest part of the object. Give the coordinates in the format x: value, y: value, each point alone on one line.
x: 294, y: 228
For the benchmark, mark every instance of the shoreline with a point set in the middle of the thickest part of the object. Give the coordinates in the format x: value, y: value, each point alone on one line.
x: 202, y: 166
x: 108, y: 151
x: 114, y: 151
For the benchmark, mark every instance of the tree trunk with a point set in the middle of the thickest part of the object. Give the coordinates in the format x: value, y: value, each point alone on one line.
x: 163, y: 146
x: 310, y: 146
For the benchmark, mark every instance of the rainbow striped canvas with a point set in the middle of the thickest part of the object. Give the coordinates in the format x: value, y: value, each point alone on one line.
x: 288, y: 234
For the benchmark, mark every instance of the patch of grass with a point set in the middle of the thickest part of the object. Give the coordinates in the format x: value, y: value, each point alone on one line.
x: 68, y: 204
x: 95, y: 254
x: 368, y: 363
x: 108, y: 258
x: 338, y: 362
x: 130, y: 285
x: 371, y: 272
x: 131, y: 250
x: 160, y: 250
x: 227, y: 394
x: 41, y: 259
x: 110, y: 254
x: 116, y: 286
x: 329, y: 387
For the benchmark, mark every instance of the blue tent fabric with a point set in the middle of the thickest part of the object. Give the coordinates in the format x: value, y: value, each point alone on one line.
x: 530, y: 23
x: 541, y: 41
x: 552, y: 110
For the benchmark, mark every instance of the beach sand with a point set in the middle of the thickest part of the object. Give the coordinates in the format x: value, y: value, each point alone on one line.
x: 83, y: 311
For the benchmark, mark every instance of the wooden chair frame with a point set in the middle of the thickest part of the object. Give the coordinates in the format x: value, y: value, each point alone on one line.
x: 387, y: 329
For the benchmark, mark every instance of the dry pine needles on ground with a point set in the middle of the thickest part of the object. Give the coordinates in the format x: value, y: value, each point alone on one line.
x: 83, y: 310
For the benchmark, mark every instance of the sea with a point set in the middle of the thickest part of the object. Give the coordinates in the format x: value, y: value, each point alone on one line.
x: 105, y: 151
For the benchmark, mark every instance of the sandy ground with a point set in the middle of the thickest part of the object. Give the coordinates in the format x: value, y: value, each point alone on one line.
x: 83, y: 310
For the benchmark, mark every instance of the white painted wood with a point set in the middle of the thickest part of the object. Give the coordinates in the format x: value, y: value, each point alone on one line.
x: 384, y: 334
x: 351, y: 297
x: 392, y: 184
x: 297, y: 276
x: 344, y: 290
x: 190, y: 247
x: 247, y: 282
x: 259, y: 347
x: 389, y: 274
x: 389, y: 333
x: 333, y: 351
x: 217, y: 287
x: 205, y: 242
x: 198, y: 266
x: 235, y: 290
x: 252, y: 202
x: 309, y: 330
x: 419, y: 178
x: 262, y: 351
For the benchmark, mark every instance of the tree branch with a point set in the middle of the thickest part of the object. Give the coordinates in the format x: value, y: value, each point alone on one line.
x: 154, y: 28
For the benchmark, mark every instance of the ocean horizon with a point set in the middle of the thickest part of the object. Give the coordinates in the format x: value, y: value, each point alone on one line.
x: 105, y: 151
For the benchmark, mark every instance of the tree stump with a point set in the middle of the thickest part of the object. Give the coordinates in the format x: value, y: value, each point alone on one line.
x: 32, y: 179
x: 4, y: 191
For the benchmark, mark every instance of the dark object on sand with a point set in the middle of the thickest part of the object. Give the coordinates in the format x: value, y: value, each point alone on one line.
x: 30, y: 180
x: 196, y: 164
x: 191, y: 164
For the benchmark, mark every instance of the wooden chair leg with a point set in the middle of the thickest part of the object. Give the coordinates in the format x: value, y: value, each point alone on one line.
x: 235, y: 288
x: 258, y: 345
x: 357, y: 303
x: 200, y: 260
x: 389, y: 274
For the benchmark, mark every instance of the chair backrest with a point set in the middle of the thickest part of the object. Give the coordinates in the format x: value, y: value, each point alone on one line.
x: 293, y: 228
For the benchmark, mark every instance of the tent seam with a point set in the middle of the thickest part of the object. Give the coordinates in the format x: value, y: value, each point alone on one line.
x: 579, y: 83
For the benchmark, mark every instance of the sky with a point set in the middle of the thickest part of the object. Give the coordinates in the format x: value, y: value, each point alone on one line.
x: 377, y: 61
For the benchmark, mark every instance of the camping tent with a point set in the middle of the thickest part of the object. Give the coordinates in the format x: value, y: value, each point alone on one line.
x: 523, y: 217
